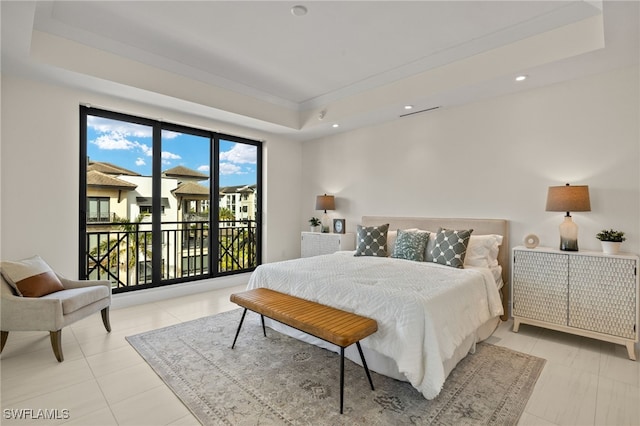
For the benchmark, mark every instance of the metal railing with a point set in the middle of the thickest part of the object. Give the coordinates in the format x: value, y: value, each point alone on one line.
x: 123, y: 252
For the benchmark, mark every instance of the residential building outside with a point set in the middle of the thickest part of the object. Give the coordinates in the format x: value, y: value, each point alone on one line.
x: 119, y: 224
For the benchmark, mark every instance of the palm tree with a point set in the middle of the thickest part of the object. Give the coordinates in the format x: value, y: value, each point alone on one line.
x: 124, y: 251
x: 226, y: 214
x: 235, y: 244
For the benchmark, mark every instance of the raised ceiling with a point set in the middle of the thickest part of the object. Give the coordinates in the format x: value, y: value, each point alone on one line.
x: 354, y: 63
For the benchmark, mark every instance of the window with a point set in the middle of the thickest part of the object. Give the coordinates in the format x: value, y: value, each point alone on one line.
x: 148, y: 210
x: 98, y: 209
x: 148, y: 187
x: 145, y: 205
x: 194, y: 265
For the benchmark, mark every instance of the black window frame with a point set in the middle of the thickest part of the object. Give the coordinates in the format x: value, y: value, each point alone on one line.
x: 99, y: 200
x: 158, y: 127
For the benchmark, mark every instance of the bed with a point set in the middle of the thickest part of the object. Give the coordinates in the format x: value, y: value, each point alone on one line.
x: 430, y: 316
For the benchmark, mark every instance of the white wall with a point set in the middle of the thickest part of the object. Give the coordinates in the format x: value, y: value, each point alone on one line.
x: 494, y: 159
x: 40, y: 172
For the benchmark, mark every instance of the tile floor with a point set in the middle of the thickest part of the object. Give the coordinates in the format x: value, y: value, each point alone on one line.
x: 103, y: 381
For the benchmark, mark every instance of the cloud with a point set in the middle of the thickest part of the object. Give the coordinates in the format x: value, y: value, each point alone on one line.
x: 105, y: 125
x: 230, y: 169
x: 167, y: 134
x: 166, y: 155
x: 114, y: 140
x: 240, y: 154
x: 204, y: 168
x: 140, y: 162
x: 148, y: 151
x: 119, y: 141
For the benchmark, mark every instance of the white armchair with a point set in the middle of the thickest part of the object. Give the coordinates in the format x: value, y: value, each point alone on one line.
x: 54, y: 311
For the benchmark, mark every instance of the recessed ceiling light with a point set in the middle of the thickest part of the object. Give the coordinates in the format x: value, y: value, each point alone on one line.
x: 521, y: 78
x: 408, y: 107
x: 298, y: 10
x: 335, y: 125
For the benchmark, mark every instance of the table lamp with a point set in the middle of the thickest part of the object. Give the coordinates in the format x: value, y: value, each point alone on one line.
x: 568, y: 199
x: 325, y: 202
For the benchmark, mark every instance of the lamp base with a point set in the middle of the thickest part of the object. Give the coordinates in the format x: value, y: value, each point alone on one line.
x: 568, y: 245
x: 326, y: 223
x: 568, y: 235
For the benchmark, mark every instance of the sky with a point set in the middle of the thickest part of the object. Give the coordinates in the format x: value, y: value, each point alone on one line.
x: 129, y: 145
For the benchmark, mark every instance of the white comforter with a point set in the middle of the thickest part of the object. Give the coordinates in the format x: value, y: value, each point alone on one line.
x: 424, y: 310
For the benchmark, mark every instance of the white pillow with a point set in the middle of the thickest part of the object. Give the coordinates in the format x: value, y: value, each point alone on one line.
x: 391, y: 241
x: 483, y: 250
x: 428, y: 257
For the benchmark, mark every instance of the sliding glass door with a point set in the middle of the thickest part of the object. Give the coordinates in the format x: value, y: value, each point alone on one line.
x: 238, y: 205
x: 163, y: 203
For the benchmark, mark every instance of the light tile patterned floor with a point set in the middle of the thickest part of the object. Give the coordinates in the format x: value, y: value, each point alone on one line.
x: 103, y: 381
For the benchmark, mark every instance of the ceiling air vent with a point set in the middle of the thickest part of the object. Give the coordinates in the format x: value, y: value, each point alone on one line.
x: 418, y: 112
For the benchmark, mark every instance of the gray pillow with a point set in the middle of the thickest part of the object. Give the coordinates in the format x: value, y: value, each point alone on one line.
x: 410, y: 245
x: 371, y: 240
x: 451, y: 247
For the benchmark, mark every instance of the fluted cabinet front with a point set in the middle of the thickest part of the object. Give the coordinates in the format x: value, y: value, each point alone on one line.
x: 540, y: 283
x: 586, y: 293
x: 602, y: 294
x: 316, y: 244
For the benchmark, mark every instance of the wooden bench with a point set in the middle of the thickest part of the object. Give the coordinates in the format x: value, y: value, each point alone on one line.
x: 324, y: 322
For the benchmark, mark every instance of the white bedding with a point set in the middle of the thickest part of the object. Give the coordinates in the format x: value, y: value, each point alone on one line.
x: 424, y: 310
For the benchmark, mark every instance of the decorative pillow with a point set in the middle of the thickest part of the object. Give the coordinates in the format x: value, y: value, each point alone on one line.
x: 371, y: 240
x: 31, y: 277
x: 451, y: 247
x: 392, y: 235
x: 410, y: 245
x: 483, y: 250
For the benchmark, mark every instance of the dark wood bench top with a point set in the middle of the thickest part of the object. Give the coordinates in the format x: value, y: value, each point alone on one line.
x: 331, y: 324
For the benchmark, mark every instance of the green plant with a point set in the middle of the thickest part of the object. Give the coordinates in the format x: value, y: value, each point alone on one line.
x: 611, y: 235
x: 314, y: 221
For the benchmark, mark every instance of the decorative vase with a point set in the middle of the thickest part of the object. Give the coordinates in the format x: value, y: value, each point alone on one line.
x: 315, y: 229
x: 611, y: 247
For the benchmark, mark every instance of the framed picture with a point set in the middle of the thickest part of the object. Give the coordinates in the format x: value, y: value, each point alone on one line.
x: 338, y: 226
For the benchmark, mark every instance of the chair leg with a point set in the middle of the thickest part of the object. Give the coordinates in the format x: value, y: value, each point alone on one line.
x: 5, y: 335
x: 105, y: 319
x: 56, y: 344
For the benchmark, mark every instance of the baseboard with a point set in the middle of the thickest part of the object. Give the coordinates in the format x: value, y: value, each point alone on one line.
x: 138, y: 297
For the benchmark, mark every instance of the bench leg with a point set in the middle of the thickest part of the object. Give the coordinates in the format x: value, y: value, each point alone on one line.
x: 239, y: 327
x: 341, y: 378
x: 264, y: 331
x: 364, y: 364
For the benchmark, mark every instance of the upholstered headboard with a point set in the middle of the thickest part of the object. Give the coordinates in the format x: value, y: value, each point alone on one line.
x: 479, y: 226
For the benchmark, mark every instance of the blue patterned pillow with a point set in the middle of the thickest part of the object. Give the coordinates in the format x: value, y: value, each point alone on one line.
x: 451, y: 247
x: 410, y: 245
x: 371, y: 240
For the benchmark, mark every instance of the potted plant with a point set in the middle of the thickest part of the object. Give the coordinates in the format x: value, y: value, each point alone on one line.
x: 315, y: 224
x: 611, y: 240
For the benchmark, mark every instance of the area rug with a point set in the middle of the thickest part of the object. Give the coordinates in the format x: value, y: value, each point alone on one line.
x: 278, y: 380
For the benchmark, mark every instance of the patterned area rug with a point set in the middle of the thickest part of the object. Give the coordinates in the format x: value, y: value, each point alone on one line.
x: 279, y: 380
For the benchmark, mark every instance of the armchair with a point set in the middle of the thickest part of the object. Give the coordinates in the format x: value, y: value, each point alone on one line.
x: 53, y: 311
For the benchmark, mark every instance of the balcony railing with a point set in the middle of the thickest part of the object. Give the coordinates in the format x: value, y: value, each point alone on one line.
x: 123, y: 254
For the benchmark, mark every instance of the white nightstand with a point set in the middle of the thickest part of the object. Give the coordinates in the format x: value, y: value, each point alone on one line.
x: 316, y: 243
x: 590, y: 294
